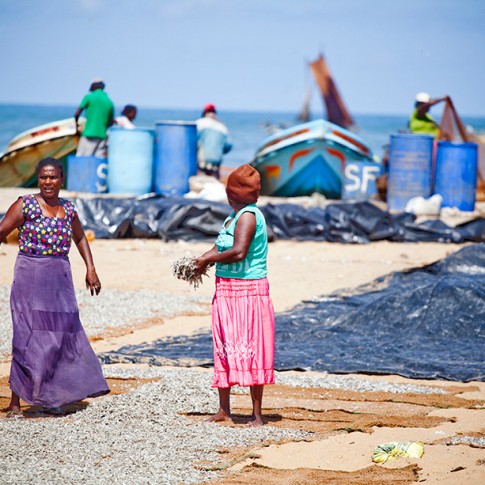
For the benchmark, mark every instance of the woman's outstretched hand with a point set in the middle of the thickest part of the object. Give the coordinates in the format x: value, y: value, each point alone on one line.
x: 92, y: 282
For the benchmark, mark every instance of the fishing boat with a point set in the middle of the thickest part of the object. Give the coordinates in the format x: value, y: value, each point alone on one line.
x: 310, y: 157
x: 56, y: 139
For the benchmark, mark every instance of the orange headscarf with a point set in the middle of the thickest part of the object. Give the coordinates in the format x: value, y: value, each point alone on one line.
x: 243, y: 185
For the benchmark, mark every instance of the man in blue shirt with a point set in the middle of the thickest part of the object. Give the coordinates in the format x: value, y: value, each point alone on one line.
x: 212, y: 142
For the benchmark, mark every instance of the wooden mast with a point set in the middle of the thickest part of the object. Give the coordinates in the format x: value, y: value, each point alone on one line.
x: 336, y: 111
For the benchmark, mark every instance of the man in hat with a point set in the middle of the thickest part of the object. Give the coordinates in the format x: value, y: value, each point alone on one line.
x: 212, y: 142
x: 421, y: 121
x: 99, y: 116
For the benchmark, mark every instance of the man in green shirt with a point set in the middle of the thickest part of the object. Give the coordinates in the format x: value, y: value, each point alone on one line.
x: 421, y: 121
x: 99, y: 116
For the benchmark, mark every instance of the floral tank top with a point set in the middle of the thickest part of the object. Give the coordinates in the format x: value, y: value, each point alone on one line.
x: 45, y: 236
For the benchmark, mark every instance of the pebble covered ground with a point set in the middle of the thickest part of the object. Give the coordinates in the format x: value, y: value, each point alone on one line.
x: 142, y: 437
x: 133, y: 438
x: 112, y: 309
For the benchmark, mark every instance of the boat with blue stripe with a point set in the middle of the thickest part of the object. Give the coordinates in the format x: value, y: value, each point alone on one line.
x: 307, y: 158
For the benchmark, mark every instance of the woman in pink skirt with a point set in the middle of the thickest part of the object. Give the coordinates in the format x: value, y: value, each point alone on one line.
x: 242, y: 311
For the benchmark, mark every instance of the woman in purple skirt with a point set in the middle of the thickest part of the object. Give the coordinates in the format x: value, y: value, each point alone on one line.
x: 53, y: 363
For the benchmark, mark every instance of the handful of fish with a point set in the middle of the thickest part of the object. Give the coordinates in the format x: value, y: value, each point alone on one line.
x: 184, y: 269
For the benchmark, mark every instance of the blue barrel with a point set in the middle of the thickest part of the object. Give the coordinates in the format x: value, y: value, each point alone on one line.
x: 359, y: 182
x: 175, y: 156
x: 456, y: 174
x: 410, y: 173
x: 130, y: 160
x: 87, y: 174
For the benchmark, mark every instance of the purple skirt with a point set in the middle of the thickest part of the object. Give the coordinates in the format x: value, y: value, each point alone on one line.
x: 53, y: 363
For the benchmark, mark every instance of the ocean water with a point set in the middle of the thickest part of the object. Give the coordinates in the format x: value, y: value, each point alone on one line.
x: 247, y: 129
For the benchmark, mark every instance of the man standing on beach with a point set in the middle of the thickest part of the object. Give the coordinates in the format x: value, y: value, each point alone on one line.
x: 99, y: 116
x: 212, y: 142
x: 421, y: 121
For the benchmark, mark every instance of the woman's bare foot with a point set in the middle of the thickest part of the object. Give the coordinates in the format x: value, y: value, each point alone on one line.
x: 255, y: 421
x: 220, y: 416
x: 15, y: 412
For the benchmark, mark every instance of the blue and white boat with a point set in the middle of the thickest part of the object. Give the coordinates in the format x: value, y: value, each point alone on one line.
x: 311, y: 157
x: 307, y: 158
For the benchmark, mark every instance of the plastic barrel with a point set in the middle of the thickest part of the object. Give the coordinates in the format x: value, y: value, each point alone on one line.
x: 175, y: 156
x: 359, y: 181
x: 456, y: 174
x: 410, y: 162
x: 87, y: 174
x: 130, y: 160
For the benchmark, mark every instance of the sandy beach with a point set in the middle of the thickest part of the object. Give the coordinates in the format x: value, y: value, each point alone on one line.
x: 342, y: 422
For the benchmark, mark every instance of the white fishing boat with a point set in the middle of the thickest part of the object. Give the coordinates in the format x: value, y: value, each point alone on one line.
x: 56, y: 139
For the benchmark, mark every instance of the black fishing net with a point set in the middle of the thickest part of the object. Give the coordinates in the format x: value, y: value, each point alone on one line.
x: 424, y: 323
x: 196, y: 219
x: 173, y: 219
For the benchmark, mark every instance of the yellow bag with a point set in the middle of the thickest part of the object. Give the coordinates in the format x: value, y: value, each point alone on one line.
x: 390, y: 451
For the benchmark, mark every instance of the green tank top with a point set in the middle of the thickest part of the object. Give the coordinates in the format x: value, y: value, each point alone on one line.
x: 253, y: 266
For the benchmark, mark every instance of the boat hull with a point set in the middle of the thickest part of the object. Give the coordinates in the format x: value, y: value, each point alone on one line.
x: 24, y: 152
x: 308, y: 158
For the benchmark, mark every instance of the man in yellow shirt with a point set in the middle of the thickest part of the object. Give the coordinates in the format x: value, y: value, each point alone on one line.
x: 421, y: 121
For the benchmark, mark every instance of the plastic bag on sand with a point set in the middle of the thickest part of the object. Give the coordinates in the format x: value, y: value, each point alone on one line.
x: 420, y: 206
x: 390, y: 451
x: 207, y: 188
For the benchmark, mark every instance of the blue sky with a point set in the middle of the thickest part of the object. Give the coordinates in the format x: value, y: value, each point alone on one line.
x: 243, y: 54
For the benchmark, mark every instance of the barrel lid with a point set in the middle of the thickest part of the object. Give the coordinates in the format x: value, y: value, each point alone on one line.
x: 128, y: 130
x: 176, y: 122
x: 411, y: 135
x: 464, y: 144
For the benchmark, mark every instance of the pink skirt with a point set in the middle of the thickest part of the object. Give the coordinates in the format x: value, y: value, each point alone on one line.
x: 243, y: 333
